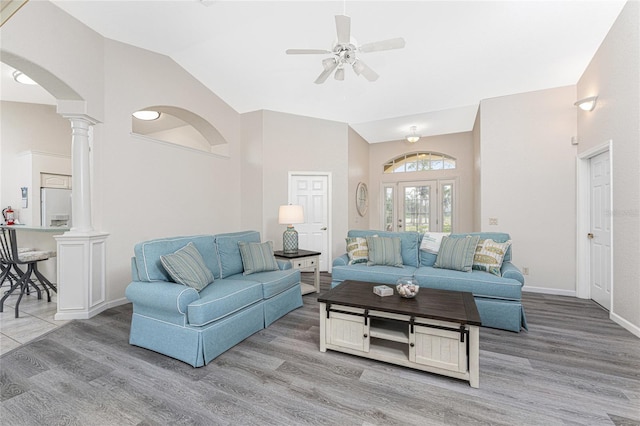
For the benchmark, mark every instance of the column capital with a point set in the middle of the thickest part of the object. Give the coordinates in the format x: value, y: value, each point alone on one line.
x: 81, y: 117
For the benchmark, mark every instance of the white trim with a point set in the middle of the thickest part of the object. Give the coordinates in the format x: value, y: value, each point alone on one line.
x: 329, y: 207
x: 66, y: 316
x: 633, y: 329
x: 545, y: 290
x: 583, y: 222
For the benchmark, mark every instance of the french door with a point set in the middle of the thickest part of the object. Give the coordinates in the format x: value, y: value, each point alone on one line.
x: 421, y: 206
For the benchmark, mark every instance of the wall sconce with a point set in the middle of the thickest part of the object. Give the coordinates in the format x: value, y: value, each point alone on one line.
x: 587, y: 104
x: 413, y: 137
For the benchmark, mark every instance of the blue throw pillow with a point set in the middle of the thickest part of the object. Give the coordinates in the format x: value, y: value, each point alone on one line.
x: 257, y: 257
x: 186, y: 266
x: 385, y: 251
x: 457, y: 253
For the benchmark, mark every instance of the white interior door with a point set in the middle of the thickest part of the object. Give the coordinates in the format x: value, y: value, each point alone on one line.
x: 600, y: 234
x: 312, y: 193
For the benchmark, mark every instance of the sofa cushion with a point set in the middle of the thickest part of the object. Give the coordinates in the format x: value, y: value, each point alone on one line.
x: 384, y: 251
x: 479, y: 283
x: 187, y: 267
x: 457, y: 253
x: 410, y: 242
x: 489, y: 255
x: 357, y: 250
x: 229, y: 251
x: 147, y: 255
x: 222, y: 299
x: 374, y: 274
x: 273, y: 282
x: 257, y: 257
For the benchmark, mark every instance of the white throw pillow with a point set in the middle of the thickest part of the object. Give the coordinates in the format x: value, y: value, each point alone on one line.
x: 431, y: 241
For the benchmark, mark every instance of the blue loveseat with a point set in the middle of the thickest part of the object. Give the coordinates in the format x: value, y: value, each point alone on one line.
x: 193, y: 327
x: 499, y: 299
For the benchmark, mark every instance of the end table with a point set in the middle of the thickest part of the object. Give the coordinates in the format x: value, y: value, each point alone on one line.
x: 304, y: 260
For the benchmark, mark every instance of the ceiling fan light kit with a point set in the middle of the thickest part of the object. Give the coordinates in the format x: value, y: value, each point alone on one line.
x: 345, y: 53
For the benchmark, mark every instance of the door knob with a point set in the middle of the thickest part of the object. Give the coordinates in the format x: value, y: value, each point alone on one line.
x: 590, y: 236
x: 324, y: 228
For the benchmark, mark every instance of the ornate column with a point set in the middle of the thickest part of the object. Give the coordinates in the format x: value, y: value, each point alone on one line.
x: 81, y: 257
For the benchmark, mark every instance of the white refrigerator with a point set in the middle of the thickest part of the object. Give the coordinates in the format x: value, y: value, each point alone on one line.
x: 55, y: 209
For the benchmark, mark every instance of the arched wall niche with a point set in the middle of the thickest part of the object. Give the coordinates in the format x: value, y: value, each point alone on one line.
x: 181, y: 127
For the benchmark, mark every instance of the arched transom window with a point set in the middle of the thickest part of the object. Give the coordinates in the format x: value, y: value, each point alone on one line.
x: 420, y: 162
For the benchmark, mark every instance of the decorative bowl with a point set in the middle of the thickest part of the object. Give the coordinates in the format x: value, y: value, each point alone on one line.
x: 407, y: 287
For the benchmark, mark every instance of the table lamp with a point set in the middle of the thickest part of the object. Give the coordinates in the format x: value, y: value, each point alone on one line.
x: 288, y: 215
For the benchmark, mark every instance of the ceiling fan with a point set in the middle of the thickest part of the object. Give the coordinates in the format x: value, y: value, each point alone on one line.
x: 345, y: 53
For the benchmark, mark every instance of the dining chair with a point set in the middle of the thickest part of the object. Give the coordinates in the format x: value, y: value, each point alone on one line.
x: 13, y: 261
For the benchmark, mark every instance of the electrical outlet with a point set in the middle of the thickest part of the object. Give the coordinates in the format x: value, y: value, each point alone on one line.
x: 525, y: 270
x: 493, y: 221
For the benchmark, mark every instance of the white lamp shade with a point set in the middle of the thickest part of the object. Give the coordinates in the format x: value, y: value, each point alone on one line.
x: 290, y: 214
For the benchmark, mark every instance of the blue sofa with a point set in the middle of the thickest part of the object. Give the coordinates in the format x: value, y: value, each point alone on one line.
x: 499, y: 299
x: 193, y: 327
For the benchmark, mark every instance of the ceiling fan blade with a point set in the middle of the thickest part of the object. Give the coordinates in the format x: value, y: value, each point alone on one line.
x: 343, y: 27
x: 307, y: 51
x: 326, y: 73
x: 392, y: 43
x: 363, y: 69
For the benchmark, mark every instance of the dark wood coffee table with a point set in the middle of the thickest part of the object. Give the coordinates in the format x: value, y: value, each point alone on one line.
x: 437, y: 331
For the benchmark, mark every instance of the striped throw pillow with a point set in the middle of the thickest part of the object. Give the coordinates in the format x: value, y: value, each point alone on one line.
x: 257, y: 257
x: 186, y: 266
x: 384, y: 251
x: 457, y: 253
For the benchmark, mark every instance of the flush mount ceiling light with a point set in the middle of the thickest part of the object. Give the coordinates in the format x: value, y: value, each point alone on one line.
x: 146, y: 115
x: 21, y: 77
x: 413, y: 137
x: 587, y: 104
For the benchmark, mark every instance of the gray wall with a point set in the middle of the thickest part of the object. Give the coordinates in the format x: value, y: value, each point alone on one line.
x: 614, y: 75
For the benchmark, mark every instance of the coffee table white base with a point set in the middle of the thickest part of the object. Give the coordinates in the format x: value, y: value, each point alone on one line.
x: 440, y: 347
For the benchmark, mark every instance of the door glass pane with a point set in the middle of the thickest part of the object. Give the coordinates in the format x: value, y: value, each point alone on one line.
x: 416, y: 208
x: 388, y: 208
x: 447, y: 207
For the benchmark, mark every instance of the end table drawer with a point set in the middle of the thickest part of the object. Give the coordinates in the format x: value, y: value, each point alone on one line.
x: 305, y: 263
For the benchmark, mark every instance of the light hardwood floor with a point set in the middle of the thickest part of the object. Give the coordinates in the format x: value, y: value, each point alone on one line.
x: 573, y: 367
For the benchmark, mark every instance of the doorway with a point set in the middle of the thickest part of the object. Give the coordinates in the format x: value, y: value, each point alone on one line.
x: 595, y: 226
x: 421, y: 206
x: 312, y: 191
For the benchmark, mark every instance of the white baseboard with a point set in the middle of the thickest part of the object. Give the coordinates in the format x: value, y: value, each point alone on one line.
x: 633, y: 329
x: 117, y: 302
x: 73, y: 315
x: 554, y: 291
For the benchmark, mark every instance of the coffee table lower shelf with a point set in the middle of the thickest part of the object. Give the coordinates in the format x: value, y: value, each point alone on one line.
x: 441, y: 347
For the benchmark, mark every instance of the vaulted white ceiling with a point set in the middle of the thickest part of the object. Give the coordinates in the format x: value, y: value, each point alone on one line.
x: 457, y: 53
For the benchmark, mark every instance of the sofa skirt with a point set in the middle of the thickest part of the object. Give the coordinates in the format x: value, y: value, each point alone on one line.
x: 502, y: 314
x: 281, y: 304
x: 196, y: 345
